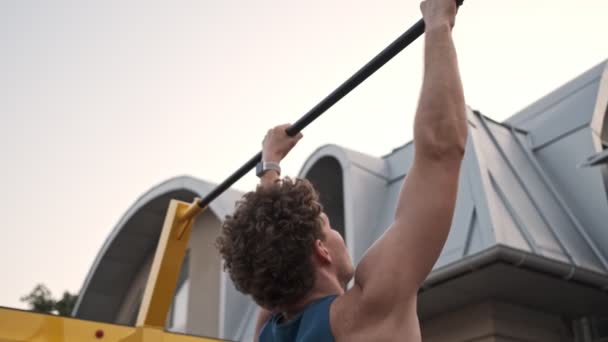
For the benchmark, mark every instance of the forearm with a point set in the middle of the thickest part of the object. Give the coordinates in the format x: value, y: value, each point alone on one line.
x: 440, y: 124
x: 275, y: 147
x: 426, y: 203
x: 269, y: 177
x: 392, y: 270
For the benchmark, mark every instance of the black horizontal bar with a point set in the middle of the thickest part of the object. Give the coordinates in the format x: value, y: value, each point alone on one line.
x: 376, y: 63
x: 366, y: 71
x: 361, y: 75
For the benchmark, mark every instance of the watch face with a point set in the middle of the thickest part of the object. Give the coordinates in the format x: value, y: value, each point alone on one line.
x: 259, y: 169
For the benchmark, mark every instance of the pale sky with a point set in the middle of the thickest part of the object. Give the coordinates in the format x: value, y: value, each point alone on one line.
x: 101, y: 100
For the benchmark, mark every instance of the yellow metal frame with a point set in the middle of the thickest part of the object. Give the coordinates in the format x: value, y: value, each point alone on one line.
x: 170, y: 253
x: 17, y: 325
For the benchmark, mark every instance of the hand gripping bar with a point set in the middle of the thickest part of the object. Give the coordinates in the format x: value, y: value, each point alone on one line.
x: 361, y: 75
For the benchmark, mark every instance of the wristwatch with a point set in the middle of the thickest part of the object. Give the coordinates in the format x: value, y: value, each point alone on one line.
x: 263, y: 166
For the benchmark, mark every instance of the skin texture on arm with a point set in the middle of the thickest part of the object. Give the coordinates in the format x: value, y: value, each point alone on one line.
x: 383, y: 300
x: 269, y: 178
x: 275, y: 147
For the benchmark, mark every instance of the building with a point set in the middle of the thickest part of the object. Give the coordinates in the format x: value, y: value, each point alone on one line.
x: 526, y: 260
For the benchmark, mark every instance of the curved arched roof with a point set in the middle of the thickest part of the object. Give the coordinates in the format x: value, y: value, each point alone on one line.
x: 365, y: 180
x: 134, y: 237
x: 519, y: 190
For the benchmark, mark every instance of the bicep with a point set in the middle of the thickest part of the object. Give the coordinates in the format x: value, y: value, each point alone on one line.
x: 400, y: 260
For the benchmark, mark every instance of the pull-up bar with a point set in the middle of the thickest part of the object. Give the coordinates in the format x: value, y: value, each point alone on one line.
x: 361, y: 75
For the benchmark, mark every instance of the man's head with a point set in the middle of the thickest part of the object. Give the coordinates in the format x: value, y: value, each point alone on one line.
x: 279, y: 242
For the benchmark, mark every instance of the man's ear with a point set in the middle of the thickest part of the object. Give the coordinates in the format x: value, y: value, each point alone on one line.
x: 321, y: 252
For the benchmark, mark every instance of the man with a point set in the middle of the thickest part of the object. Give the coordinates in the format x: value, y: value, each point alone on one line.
x: 279, y: 246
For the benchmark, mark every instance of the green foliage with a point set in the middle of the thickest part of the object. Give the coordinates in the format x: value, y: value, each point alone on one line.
x: 65, y: 305
x: 41, y: 300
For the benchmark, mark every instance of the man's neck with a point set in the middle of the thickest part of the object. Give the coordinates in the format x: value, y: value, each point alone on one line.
x: 324, y: 286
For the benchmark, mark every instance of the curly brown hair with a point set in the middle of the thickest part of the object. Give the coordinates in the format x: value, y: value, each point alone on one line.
x: 267, y: 243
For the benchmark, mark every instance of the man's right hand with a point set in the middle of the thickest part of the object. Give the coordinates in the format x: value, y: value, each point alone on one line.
x: 277, y: 143
x: 382, y: 303
x: 439, y: 12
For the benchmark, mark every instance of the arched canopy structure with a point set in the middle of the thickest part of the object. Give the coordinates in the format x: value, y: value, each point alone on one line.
x: 112, y: 289
x: 351, y: 186
x: 527, y: 216
x: 327, y: 174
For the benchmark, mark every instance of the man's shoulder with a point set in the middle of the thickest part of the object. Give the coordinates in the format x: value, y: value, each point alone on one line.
x: 352, y: 315
x: 345, y: 311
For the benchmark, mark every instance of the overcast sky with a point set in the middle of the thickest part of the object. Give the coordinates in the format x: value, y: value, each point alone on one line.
x: 101, y: 100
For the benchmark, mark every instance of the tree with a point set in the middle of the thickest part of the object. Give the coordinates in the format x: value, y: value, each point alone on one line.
x: 65, y: 305
x: 41, y: 300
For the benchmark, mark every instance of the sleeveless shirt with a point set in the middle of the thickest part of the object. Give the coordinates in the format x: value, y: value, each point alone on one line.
x: 311, y: 325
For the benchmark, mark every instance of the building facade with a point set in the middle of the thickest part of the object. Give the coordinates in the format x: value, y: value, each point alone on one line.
x: 526, y: 259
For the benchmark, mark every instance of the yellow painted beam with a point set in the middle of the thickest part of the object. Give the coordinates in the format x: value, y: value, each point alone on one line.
x: 28, y: 326
x: 25, y: 326
x: 168, y: 258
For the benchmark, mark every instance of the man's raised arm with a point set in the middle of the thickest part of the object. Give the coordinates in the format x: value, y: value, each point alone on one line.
x: 393, y: 269
x: 275, y: 147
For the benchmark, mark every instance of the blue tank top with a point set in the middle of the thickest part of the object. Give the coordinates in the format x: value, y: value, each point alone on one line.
x: 311, y: 325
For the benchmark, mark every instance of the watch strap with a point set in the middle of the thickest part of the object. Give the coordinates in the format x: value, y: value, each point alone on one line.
x: 264, y: 166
